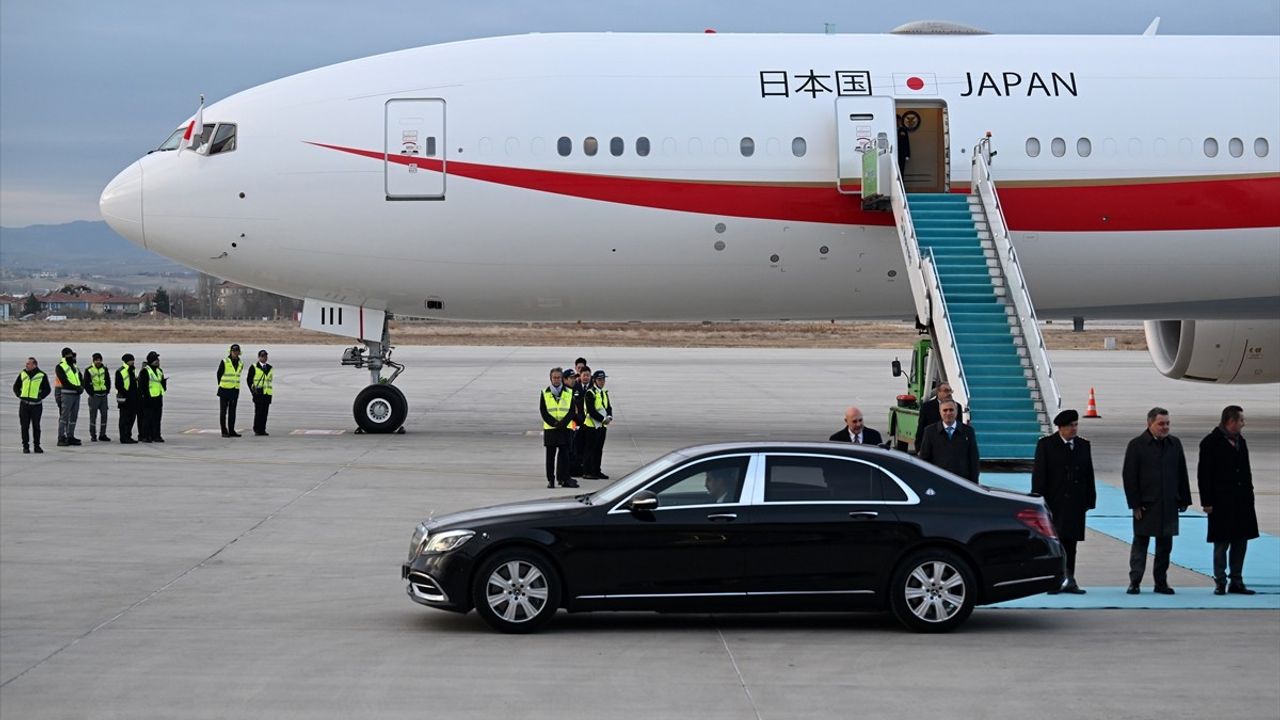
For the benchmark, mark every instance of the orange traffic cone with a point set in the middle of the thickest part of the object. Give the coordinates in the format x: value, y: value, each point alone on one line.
x: 1092, y: 410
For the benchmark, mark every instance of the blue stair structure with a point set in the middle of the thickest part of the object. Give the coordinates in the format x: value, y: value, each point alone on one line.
x: 1006, y: 408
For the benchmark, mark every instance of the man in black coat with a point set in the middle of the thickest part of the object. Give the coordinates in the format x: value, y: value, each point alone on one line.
x: 127, y: 398
x: 1063, y: 475
x: 950, y: 444
x: 929, y: 413
x: 854, y: 431
x: 1226, y: 494
x: 555, y: 404
x: 1157, y: 488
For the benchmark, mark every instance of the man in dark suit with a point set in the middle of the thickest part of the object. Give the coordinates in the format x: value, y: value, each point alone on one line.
x: 950, y: 444
x: 854, y: 431
x: 929, y: 414
x: 1226, y: 495
x: 1063, y: 475
x: 1157, y: 488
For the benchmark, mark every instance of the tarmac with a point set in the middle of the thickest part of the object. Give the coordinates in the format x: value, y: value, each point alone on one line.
x: 259, y: 577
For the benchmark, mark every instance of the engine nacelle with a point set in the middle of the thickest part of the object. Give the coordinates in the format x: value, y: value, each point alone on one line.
x: 1216, y: 351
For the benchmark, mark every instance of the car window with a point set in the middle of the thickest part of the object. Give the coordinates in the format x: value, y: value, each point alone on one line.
x: 707, y: 482
x: 798, y: 478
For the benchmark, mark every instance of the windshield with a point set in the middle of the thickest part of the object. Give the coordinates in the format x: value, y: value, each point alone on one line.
x: 622, y: 486
x: 172, y: 142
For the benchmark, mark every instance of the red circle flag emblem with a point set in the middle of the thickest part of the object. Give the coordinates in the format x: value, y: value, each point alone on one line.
x: 915, y: 83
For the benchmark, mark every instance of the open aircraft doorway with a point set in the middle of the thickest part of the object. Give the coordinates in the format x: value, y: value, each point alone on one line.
x: 923, y: 139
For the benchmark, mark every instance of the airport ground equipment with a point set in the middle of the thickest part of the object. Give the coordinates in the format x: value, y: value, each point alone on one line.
x: 904, y: 415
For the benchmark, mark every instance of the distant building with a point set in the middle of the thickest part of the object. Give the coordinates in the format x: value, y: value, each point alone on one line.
x: 10, y: 307
x: 91, y: 303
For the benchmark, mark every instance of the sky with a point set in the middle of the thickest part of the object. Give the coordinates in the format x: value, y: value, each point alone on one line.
x: 86, y: 87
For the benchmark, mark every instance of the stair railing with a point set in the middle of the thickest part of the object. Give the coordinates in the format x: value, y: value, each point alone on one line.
x: 909, y: 242
x: 944, y: 342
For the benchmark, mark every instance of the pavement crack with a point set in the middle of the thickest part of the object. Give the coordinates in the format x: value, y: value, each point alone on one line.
x: 741, y: 680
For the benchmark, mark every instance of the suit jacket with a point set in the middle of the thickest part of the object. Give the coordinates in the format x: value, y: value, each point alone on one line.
x: 869, y: 436
x: 1226, y: 485
x: 1155, y: 479
x: 959, y: 453
x: 1065, y: 479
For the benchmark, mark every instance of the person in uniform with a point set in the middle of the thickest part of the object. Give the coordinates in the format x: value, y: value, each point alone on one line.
x: 929, y: 413
x: 127, y: 396
x: 1063, y: 476
x: 556, y: 407
x: 69, y: 406
x: 1157, y: 488
x: 98, y: 387
x: 260, y: 379
x: 31, y: 387
x: 950, y: 444
x: 1226, y: 495
x: 599, y: 413
x: 152, y: 384
x: 854, y: 431
x: 575, y: 424
x: 228, y: 374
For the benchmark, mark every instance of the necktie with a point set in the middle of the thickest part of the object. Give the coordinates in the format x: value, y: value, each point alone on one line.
x: 950, y: 430
x: 1071, y: 444
x: 857, y: 439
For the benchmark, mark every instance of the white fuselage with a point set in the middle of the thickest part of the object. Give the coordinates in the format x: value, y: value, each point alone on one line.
x: 1132, y: 220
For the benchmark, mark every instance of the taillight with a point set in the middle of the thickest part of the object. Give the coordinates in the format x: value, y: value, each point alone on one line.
x: 1037, y: 520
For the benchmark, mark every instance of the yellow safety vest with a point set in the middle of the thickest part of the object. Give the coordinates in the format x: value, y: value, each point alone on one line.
x: 31, y: 384
x: 127, y: 375
x: 230, y: 379
x: 97, y: 378
x: 155, y: 376
x: 557, y: 408
x: 73, y: 375
x: 602, y: 402
x: 262, y: 381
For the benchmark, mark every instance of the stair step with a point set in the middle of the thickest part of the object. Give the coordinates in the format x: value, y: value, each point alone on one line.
x: 1021, y: 451
x: 1007, y: 427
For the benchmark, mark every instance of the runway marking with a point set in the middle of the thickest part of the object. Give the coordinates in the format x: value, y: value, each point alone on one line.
x: 301, y: 431
x: 202, y: 431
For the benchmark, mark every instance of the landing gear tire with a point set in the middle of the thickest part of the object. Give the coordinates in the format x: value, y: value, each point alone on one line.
x: 380, y: 409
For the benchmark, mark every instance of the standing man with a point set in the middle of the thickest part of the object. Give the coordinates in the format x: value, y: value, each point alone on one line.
x: 599, y: 413
x: 127, y: 395
x: 930, y: 413
x: 950, y: 444
x: 1226, y: 494
x: 575, y: 423
x: 31, y: 387
x: 556, y: 406
x: 69, y: 408
x: 99, y: 390
x: 1063, y: 476
x: 228, y: 374
x: 152, y: 384
x: 854, y: 431
x: 260, y: 380
x: 57, y: 385
x: 1157, y: 488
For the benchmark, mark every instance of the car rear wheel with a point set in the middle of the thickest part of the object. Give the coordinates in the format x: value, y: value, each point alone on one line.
x: 516, y: 591
x: 933, y: 591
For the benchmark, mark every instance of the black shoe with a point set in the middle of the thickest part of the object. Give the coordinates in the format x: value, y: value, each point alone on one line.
x: 601, y: 476
x: 26, y: 450
x: 127, y: 441
x: 1219, y: 588
x: 39, y: 450
x: 550, y: 484
x: 145, y: 440
x: 1054, y: 591
x: 234, y: 434
x: 572, y: 485
x: 157, y: 439
x: 592, y: 476
x: 62, y: 442
x: 1074, y: 589
x: 103, y: 438
x: 74, y: 441
x: 1133, y: 590
x: 1238, y: 588
x: 93, y: 438
x: 226, y: 434
x: 1163, y: 589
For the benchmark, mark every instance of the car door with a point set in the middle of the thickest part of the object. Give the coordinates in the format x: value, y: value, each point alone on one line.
x: 689, y: 546
x: 821, y: 524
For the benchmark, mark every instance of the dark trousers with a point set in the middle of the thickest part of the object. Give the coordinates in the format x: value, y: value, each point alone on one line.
x: 128, y: 412
x: 98, y: 415
x: 575, y: 452
x: 1069, y: 548
x: 1224, y: 550
x: 29, y: 418
x: 261, y: 406
x: 558, y: 464
x: 68, y: 414
x: 149, y: 420
x: 594, y: 450
x: 227, y: 401
x: 1138, y: 559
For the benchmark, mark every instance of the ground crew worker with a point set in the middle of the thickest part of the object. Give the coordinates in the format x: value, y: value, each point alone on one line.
x: 57, y: 384
x: 556, y: 406
x: 152, y: 384
x: 260, y: 379
x: 31, y: 387
x: 69, y: 408
x: 575, y: 424
x: 228, y: 374
x: 127, y: 396
x: 98, y: 387
x: 599, y: 413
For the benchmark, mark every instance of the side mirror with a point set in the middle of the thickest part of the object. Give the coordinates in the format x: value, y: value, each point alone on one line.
x: 897, y: 367
x: 643, y: 501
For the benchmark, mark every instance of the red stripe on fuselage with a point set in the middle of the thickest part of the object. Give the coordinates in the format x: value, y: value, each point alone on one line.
x: 1201, y: 204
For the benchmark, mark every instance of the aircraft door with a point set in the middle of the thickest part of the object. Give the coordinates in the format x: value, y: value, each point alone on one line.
x: 859, y: 121
x: 414, y: 149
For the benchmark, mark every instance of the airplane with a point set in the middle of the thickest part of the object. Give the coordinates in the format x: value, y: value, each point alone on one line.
x: 704, y: 176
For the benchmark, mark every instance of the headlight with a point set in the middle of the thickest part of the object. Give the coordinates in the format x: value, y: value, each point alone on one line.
x: 415, y: 543
x: 448, y: 540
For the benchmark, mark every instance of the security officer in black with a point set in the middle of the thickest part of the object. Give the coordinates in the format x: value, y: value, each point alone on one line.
x: 31, y: 387
x: 1063, y: 476
x: 261, y: 380
x: 127, y: 397
x: 152, y: 384
x: 98, y: 387
x: 598, y: 415
x: 228, y: 374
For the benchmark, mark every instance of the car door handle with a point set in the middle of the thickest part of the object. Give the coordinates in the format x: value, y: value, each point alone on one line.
x: 863, y: 515
x: 726, y: 517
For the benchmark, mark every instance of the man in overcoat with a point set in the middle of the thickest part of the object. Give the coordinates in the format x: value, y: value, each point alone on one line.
x: 1157, y: 488
x: 1063, y: 475
x: 1226, y: 495
x: 950, y: 444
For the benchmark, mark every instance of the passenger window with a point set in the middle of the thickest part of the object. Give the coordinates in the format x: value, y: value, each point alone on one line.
x: 1135, y: 146
x: 564, y: 146
x: 1058, y: 147
x: 721, y: 147
x: 590, y: 146
x: 1261, y: 147
x: 616, y: 146
x: 799, y: 147
x: 1033, y: 147
x: 819, y: 479
x: 695, y: 147
x: 747, y: 146
x: 1235, y: 146
x: 1210, y: 147
x: 703, y: 483
x: 642, y: 146
x: 1084, y: 148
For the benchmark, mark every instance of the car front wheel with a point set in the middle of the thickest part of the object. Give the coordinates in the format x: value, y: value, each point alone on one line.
x: 516, y: 591
x: 933, y: 591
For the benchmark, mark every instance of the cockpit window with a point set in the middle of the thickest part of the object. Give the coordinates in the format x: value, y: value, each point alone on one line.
x: 224, y: 139
x: 202, y: 140
x: 173, y: 140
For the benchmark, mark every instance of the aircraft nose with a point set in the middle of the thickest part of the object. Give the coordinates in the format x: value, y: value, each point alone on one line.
x: 121, y: 204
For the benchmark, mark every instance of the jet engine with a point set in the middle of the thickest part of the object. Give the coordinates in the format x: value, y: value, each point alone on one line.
x: 1216, y: 351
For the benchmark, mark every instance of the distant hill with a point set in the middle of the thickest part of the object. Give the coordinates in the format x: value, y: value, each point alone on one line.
x: 81, y: 246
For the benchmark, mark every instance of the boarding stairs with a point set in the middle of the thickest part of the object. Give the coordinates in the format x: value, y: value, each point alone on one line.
x: 971, y: 294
